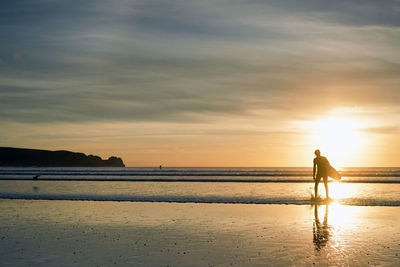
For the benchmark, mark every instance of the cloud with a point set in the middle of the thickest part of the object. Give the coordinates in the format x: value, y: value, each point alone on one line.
x: 194, y: 61
x: 381, y: 130
x: 17, y: 56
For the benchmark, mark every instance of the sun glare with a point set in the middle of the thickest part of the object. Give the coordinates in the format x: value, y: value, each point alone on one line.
x: 340, y: 190
x: 340, y: 215
x: 337, y: 138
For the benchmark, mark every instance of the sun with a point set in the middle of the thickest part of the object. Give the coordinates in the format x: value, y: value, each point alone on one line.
x: 336, y: 137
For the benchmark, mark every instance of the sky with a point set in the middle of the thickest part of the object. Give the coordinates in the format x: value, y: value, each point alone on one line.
x: 203, y: 83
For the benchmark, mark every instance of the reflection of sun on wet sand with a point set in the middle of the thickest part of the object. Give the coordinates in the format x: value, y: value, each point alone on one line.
x: 337, y: 192
x: 86, y: 233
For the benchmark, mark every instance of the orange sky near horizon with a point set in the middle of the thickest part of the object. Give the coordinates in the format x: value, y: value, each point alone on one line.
x: 153, y: 144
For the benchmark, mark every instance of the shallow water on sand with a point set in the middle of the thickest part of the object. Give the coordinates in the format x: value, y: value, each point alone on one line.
x: 359, y: 186
x: 72, y: 233
x: 200, y: 192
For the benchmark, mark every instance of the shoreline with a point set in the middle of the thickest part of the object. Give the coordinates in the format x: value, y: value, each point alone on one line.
x: 151, y: 200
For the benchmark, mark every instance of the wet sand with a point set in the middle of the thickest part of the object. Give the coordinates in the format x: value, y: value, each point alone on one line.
x: 87, y: 233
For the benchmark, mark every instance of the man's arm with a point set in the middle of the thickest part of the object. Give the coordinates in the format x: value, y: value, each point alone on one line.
x: 313, y: 172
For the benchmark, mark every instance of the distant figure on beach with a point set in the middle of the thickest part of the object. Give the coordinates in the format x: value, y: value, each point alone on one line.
x: 160, y: 167
x: 36, y: 177
x: 320, y: 170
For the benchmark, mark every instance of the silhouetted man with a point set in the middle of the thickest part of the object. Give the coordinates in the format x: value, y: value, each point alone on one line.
x: 321, y: 167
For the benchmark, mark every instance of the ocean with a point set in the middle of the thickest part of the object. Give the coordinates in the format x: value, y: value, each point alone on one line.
x: 272, y: 185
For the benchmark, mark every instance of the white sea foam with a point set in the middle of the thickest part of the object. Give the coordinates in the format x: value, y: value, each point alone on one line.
x: 193, y: 199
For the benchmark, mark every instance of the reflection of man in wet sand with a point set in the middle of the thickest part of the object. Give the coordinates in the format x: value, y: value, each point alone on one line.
x: 321, y: 167
x: 320, y: 232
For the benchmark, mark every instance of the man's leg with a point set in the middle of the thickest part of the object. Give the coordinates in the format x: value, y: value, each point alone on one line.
x: 316, y: 186
x: 326, y: 186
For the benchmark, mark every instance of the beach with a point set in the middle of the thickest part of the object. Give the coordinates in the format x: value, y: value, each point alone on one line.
x: 199, y: 133
x: 98, y: 233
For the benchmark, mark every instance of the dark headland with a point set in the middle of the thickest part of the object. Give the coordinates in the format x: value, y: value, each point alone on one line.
x: 22, y: 157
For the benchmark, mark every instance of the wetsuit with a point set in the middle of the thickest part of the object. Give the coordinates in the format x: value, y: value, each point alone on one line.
x: 322, y: 167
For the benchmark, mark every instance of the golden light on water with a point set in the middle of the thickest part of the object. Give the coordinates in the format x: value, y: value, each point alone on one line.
x: 331, y: 223
x: 340, y: 215
x: 338, y: 190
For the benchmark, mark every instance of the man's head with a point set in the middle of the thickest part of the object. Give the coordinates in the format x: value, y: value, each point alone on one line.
x: 317, y: 153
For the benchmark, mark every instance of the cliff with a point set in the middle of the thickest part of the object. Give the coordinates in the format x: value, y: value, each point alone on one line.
x: 22, y: 157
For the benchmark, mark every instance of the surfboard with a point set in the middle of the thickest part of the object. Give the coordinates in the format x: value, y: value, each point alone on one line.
x: 333, y: 173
